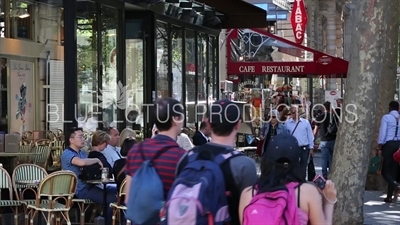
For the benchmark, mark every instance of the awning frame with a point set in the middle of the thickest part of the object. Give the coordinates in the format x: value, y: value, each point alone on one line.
x: 322, y: 64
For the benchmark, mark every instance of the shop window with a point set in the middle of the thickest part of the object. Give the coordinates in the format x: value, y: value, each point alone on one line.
x: 87, y: 55
x: 113, y: 91
x: 49, y: 22
x: 162, y: 60
x: 134, y: 76
x: 190, y: 46
x: 20, y: 19
x: 177, y: 63
x: 211, y: 65
x: 3, y: 95
x: 202, y: 75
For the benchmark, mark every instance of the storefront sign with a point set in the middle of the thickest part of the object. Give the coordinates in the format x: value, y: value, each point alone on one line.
x: 272, y: 69
x: 299, y: 20
x: 247, y: 83
x: 21, y: 96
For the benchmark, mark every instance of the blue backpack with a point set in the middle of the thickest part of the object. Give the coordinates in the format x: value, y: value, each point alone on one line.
x: 146, y: 195
x: 198, y: 195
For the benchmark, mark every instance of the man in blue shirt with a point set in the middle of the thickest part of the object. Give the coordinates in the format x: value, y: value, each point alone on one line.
x: 73, y: 158
x: 388, y: 144
x: 301, y: 129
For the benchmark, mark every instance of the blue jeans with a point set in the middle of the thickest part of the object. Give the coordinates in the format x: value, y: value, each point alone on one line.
x: 327, y: 154
x: 96, y: 195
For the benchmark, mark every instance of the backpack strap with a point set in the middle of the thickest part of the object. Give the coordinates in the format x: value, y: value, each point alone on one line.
x: 158, y: 153
x: 220, y: 154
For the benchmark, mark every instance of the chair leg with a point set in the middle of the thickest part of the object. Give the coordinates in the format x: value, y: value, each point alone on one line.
x: 114, y: 212
x: 33, y: 213
x: 16, y: 216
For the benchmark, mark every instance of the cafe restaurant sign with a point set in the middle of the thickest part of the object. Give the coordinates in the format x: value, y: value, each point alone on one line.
x: 299, y: 20
x: 273, y: 69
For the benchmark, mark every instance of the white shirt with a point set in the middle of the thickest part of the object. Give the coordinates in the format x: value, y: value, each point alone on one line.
x: 112, y: 154
x: 184, y: 142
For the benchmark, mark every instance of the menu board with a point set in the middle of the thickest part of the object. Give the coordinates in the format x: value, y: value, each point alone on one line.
x: 21, y: 115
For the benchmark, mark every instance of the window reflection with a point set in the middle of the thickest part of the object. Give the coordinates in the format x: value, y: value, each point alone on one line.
x: 202, y: 75
x: 113, y: 92
x: 87, y: 65
x: 134, y: 77
x: 162, y: 60
x: 177, y: 62
x: 190, y: 78
x: 211, y: 65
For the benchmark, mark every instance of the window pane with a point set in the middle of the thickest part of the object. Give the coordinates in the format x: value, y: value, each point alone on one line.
x: 177, y: 62
x: 21, y: 19
x: 190, y: 78
x: 202, y: 75
x: 87, y: 65
x: 211, y: 66
x: 134, y: 77
x: 113, y: 92
x: 2, y: 19
x: 162, y: 60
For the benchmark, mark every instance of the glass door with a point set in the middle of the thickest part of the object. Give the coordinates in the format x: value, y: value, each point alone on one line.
x: 100, y: 94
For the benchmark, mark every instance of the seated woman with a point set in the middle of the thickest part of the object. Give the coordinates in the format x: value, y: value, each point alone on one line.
x: 119, y: 165
x: 99, y: 143
x: 279, y: 167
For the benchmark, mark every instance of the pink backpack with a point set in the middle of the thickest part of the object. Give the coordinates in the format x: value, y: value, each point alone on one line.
x: 278, y: 208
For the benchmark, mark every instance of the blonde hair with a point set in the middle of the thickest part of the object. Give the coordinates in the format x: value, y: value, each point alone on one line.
x: 99, y: 137
x: 126, y: 133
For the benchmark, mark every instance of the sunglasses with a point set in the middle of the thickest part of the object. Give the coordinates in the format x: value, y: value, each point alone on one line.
x: 273, y: 117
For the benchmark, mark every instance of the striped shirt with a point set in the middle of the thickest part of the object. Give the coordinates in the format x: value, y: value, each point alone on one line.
x: 165, y: 165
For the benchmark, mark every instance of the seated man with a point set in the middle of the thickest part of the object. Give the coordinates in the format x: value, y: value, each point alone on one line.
x: 73, y: 159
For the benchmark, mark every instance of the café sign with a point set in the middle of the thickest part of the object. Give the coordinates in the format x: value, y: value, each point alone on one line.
x: 272, y: 69
x: 299, y: 20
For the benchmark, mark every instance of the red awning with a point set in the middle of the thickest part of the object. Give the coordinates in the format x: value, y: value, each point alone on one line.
x: 313, y: 62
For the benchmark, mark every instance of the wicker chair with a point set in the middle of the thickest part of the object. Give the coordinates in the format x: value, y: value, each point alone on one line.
x: 118, y: 207
x: 6, y: 183
x: 21, y: 174
x: 60, y: 185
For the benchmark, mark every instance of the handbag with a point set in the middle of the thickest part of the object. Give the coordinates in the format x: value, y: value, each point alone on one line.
x: 92, y: 172
x: 375, y: 165
x: 311, y: 169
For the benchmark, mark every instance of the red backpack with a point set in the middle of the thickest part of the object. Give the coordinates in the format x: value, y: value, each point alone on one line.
x: 278, y: 208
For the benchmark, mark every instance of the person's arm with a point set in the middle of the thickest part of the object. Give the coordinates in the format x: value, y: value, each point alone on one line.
x: 85, y: 162
x: 310, y: 135
x: 187, y: 143
x: 382, y: 131
x: 245, y: 199
x: 320, y: 210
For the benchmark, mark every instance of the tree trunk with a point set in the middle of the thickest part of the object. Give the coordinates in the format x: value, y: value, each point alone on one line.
x: 387, y: 85
x: 361, y: 99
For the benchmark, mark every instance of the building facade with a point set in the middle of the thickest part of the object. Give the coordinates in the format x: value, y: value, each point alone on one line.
x: 102, y: 62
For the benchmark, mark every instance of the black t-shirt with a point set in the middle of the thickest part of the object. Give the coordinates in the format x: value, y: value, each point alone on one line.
x: 118, y: 166
x: 323, y: 123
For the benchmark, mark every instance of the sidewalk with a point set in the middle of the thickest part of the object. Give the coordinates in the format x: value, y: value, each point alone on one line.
x: 377, y: 212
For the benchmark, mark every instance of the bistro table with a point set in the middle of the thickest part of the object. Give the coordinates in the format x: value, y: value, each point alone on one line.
x: 104, y: 182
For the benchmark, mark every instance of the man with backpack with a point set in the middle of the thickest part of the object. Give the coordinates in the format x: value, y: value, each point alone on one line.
x: 327, y: 125
x: 151, y: 164
x: 211, y: 177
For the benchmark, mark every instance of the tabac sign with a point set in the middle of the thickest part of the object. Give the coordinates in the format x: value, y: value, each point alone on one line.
x: 299, y: 20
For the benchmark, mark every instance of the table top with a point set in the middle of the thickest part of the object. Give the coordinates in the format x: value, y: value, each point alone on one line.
x: 28, y: 182
x: 106, y: 181
x: 16, y: 154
